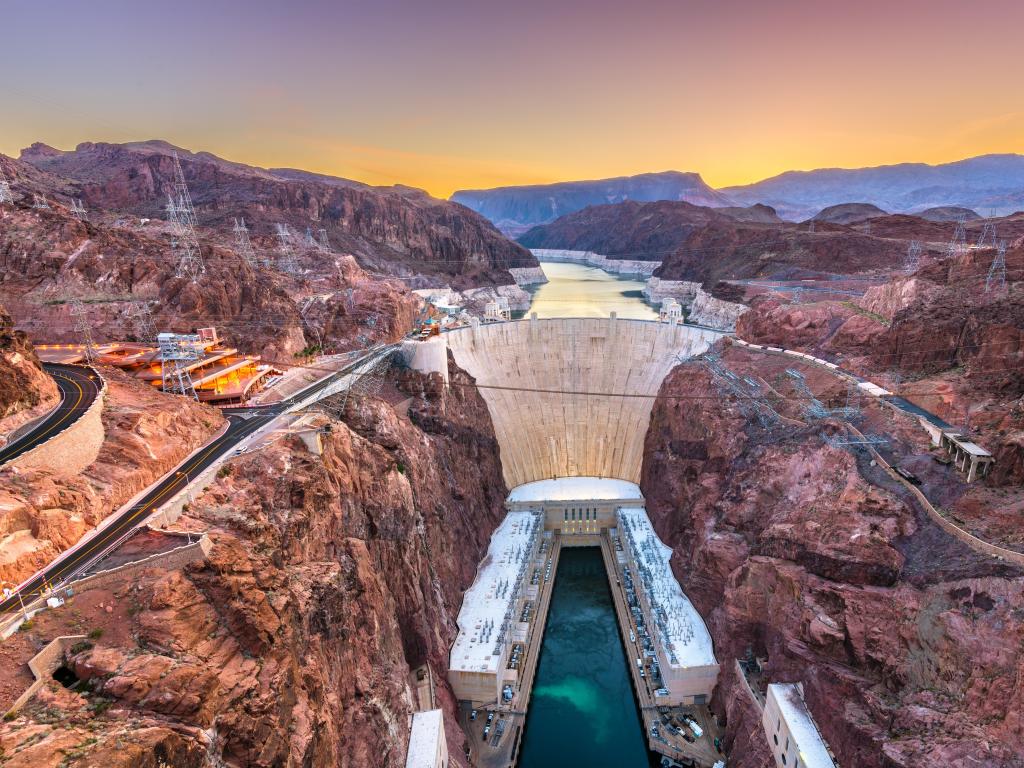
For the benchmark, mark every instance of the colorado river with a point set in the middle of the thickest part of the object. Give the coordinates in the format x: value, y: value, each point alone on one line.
x: 582, y: 712
x: 576, y: 290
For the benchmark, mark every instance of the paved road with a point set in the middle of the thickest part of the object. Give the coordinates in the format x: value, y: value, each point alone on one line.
x: 79, y: 387
x: 242, y: 422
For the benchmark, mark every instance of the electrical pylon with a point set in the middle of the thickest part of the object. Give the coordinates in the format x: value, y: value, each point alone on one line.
x: 996, y: 279
x: 145, y: 331
x: 959, y: 242
x: 914, y: 256
x: 242, y: 243
x: 182, y: 215
x: 84, y: 328
x: 286, y: 261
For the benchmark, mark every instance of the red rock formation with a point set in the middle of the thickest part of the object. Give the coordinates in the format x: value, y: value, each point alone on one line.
x: 47, y: 256
x: 44, y: 512
x: 907, y: 642
x: 397, y: 230
x: 26, y: 390
x: 330, y: 577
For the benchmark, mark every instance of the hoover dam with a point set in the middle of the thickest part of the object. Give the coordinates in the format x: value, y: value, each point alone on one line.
x: 571, y: 400
x: 572, y: 397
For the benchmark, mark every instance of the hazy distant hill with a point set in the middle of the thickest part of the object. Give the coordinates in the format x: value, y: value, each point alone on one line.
x: 515, y: 209
x: 982, y: 183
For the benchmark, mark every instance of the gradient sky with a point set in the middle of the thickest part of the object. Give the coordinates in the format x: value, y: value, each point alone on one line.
x: 448, y: 94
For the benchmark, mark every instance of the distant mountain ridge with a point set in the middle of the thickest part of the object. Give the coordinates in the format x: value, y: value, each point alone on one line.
x: 985, y: 183
x: 988, y: 184
x: 515, y: 209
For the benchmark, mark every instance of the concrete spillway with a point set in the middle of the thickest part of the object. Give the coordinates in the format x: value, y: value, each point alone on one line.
x: 572, y: 396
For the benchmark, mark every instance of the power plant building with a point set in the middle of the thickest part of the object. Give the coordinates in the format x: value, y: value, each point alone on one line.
x: 680, y: 639
x: 489, y: 624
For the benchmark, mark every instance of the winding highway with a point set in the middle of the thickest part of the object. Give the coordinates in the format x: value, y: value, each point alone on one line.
x: 242, y: 422
x: 79, y: 387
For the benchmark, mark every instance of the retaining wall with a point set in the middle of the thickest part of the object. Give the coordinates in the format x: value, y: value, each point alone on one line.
x: 43, y: 665
x: 74, y: 448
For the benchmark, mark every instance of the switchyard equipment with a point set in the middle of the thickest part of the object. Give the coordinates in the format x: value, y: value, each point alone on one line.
x: 177, y: 354
x: 39, y: 202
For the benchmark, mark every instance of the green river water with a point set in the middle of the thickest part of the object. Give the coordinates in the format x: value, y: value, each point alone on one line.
x: 582, y: 712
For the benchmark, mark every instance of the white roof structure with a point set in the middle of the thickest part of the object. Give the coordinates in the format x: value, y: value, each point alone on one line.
x: 427, y: 730
x: 576, y: 489
x: 487, y: 603
x: 813, y: 751
x: 681, y: 630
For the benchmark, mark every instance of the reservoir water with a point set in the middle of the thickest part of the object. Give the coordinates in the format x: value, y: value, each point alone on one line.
x: 576, y: 290
x: 582, y: 712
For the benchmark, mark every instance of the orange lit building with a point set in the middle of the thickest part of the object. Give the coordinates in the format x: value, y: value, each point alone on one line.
x: 221, y: 375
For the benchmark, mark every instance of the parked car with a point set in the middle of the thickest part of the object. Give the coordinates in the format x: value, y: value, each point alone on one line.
x: 472, y: 715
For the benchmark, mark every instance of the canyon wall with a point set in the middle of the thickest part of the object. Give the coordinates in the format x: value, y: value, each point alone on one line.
x: 26, y: 391
x: 906, y: 641
x: 572, y: 396
x: 329, y: 578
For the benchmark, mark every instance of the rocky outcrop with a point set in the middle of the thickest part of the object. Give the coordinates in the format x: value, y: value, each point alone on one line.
x: 528, y: 276
x: 45, y: 511
x: 330, y: 577
x: 906, y: 641
x: 701, y: 307
x: 26, y: 390
x: 48, y: 256
x: 708, y: 245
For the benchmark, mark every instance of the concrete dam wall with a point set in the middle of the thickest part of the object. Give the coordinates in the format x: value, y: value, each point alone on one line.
x: 569, y: 396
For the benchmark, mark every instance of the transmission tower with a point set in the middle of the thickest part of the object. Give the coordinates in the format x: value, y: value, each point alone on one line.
x: 78, y: 210
x: 322, y: 242
x: 988, y: 235
x: 810, y: 227
x: 286, y: 261
x: 997, y: 272
x: 959, y: 242
x: 242, y: 243
x: 5, y: 189
x: 310, y: 242
x: 84, y: 328
x: 39, y: 202
x: 304, y: 312
x: 182, y: 215
x: 913, y: 256
x: 177, y: 353
x: 145, y: 331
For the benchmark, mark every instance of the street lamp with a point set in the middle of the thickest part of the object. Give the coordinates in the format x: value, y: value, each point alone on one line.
x: 188, y: 489
x: 21, y: 602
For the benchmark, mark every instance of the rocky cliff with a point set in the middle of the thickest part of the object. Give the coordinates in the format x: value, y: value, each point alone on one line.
x: 707, y: 245
x: 907, y: 643
x: 115, y: 265
x: 396, y: 230
x: 26, y: 390
x: 329, y: 579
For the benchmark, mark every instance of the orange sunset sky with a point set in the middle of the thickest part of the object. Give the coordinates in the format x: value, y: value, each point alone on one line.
x: 451, y: 94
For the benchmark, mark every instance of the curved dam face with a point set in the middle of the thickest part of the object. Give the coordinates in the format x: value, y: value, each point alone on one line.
x: 572, y: 396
